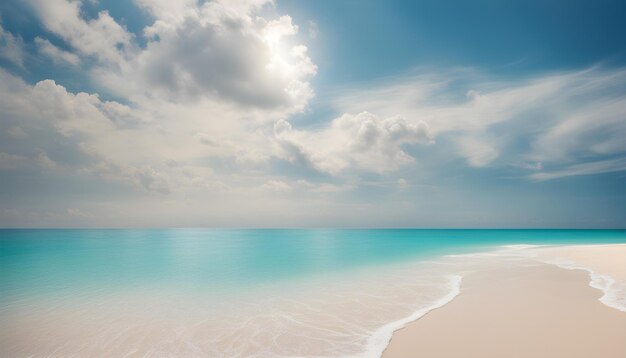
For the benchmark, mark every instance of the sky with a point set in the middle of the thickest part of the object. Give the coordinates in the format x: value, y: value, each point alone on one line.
x: 260, y: 113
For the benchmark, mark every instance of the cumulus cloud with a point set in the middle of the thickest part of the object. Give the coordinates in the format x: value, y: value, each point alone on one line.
x: 214, y: 50
x: 56, y: 54
x: 79, y: 128
x: 101, y: 37
x: 232, y: 64
x: 48, y: 127
x: 363, y: 142
x: 213, y: 75
x: 202, y: 88
x: 167, y: 11
x: 217, y: 50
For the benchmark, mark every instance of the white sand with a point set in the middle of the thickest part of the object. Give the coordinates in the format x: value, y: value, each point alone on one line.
x: 537, y: 311
x: 607, y: 260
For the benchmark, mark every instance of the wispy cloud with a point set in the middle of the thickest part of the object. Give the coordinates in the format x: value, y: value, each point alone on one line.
x: 595, y: 167
x: 55, y: 53
x: 11, y: 47
x: 557, y: 119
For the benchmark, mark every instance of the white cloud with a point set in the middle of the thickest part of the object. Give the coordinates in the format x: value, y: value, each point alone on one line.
x: 205, y: 123
x: 137, y: 145
x: 477, y: 151
x: 593, y: 129
x: 11, y: 47
x: 220, y: 51
x: 55, y: 53
x: 166, y: 11
x: 363, y: 142
x: 596, y: 167
x: 101, y: 37
x: 568, y: 118
x: 47, y: 114
x: 214, y: 76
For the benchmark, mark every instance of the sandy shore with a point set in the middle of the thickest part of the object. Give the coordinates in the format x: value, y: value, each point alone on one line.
x: 602, y: 259
x: 536, y: 311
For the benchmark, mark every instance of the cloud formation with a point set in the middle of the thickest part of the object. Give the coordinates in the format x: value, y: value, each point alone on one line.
x: 206, y: 111
x: 43, y: 119
x: 11, y: 47
x: 217, y: 50
x: 218, y: 72
x: 362, y: 142
x: 567, y: 119
x: 101, y: 37
x: 54, y: 53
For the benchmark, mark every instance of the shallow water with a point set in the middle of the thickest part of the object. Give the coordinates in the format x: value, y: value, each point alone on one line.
x: 235, y: 292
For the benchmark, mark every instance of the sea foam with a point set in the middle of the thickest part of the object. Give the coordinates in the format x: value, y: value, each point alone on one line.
x: 614, y: 292
x: 379, y: 341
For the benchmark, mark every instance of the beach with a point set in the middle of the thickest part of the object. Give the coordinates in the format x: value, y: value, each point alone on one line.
x: 312, y: 293
x: 531, y: 310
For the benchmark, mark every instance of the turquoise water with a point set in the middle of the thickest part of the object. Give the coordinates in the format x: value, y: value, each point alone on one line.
x: 224, y: 293
x: 40, y: 260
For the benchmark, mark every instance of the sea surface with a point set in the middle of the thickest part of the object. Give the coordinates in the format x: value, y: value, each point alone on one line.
x: 210, y: 292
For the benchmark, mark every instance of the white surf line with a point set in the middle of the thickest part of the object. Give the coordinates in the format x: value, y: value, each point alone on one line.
x: 379, y: 341
x: 612, y: 295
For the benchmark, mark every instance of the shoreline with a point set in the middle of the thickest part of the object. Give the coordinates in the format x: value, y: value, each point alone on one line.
x: 589, y: 285
x: 380, y: 340
x: 359, y: 314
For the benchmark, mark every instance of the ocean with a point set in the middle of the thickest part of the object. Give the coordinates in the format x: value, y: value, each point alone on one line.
x: 231, y: 292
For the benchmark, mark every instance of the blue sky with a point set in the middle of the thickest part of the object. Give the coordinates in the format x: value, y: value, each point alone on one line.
x: 313, y: 113
x: 373, y: 39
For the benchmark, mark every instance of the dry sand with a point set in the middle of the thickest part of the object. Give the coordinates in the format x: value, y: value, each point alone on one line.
x: 538, y: 311
x: 602, y: 259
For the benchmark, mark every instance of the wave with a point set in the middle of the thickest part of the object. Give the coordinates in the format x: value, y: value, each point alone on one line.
x: 614, y: 292
x: 379, y: 341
